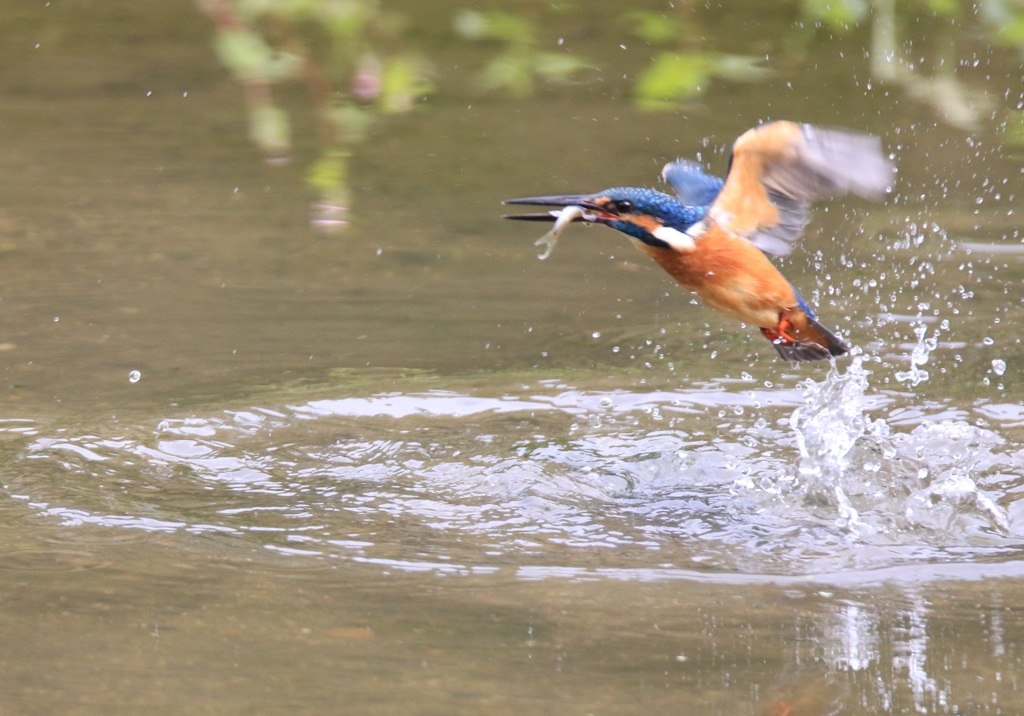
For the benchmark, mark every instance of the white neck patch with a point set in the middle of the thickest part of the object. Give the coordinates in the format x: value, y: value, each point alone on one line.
x: 680, y: 240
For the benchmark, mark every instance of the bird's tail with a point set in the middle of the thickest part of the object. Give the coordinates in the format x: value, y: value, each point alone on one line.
x: 799, y: 337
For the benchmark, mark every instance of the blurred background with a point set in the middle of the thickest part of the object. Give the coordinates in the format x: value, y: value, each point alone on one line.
x: 293, y: 421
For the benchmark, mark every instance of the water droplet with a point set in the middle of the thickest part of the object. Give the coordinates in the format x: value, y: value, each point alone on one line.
x: 998, y: 366
x: 595, y: 334
x: 988, y: 341
x: 134, y: 376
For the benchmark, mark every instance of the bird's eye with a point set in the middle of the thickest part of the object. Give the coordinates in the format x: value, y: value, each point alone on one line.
x: 623, y: 206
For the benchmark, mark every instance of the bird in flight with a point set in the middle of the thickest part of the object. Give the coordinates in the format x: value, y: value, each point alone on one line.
x: 714, y: 236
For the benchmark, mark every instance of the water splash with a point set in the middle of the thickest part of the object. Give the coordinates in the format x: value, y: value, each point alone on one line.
x: 827, y: 429
x: 880, y: 481
x: 919, y: 357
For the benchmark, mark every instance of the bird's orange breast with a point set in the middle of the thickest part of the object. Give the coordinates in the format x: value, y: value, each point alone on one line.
x: 729, y: 274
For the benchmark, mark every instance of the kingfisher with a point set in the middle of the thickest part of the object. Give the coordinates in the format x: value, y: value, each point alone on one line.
x: 714, y: 236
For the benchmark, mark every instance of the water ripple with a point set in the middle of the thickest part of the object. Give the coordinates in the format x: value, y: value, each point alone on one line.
x: 713, y: 480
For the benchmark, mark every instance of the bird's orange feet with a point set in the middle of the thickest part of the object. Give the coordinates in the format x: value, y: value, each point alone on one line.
x: 780, y: 333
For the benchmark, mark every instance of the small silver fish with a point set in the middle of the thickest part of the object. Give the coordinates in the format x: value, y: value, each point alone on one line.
x: 564, y: 217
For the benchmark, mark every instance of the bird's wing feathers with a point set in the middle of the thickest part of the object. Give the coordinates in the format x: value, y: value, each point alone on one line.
x: 778, y: 169
x: 692, y: 186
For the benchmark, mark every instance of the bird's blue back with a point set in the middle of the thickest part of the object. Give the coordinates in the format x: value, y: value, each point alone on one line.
x: 691, y: 184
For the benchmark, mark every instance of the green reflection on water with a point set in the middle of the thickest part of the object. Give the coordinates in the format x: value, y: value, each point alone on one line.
x: 350, y: 59
x: 360, y: 59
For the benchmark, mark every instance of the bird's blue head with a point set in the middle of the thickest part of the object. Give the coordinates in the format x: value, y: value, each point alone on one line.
x: 639, y: 213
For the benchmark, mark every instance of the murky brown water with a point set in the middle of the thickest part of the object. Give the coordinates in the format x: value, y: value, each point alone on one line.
x: 250, y: 465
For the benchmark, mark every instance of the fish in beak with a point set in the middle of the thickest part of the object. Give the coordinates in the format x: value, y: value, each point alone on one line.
x: 578, y: 207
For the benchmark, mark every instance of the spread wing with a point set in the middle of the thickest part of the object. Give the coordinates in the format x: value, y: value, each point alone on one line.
x: 778, y: 169
x: 691, y: 184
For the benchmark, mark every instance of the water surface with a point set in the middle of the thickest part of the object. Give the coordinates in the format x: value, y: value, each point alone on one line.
x: 259, y: 457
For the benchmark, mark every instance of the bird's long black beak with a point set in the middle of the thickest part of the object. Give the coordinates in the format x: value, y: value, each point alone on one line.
x: 584, y: 201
